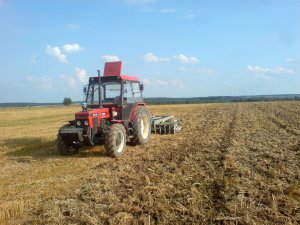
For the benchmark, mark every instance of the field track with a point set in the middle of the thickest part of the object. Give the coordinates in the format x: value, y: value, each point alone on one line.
x: 235, y: 163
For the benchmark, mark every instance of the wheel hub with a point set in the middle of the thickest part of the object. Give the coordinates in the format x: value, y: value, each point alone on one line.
x: 120, y: 141
x: 145, y: 126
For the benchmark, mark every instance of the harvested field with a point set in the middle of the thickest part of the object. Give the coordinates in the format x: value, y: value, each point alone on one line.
x: 235, y: 163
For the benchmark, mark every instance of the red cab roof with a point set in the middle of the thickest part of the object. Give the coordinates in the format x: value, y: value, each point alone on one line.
x: 114, y: 69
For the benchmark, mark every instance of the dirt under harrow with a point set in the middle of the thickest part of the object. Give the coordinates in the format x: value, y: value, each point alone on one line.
x: 233, y: 163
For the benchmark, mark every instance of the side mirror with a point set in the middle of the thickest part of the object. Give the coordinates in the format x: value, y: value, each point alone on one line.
x: 84, y: 90
x: 141, y: 87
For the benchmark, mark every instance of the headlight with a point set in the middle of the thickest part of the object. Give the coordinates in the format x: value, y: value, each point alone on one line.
x: 86, y: 123
x: 114, y: 113
x: 78, y: 123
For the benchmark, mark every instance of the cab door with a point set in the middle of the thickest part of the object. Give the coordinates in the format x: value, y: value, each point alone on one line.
x: 132, y: 95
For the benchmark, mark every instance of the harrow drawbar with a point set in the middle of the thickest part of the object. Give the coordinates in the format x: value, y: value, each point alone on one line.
x: 165, y: 125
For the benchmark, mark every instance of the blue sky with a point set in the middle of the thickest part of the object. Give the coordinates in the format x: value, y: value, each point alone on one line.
x: 178, y: 48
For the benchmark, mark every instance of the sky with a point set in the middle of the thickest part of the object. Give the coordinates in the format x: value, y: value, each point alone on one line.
x: 191, y: 48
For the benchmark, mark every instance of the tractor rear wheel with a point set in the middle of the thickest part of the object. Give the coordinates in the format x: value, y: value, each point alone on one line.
x: 63, y: 148
x: 141, y: 126
x: 115, y: 141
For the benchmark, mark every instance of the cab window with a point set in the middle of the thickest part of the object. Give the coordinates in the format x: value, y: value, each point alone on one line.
x: 132, y: 92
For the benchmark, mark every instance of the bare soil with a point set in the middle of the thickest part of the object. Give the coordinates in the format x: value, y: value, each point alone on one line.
x: 233, y: 163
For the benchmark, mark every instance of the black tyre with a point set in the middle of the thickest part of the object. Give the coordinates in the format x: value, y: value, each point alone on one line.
x: 115, y: 141
x: 141, y: 126
x: 63, y: 148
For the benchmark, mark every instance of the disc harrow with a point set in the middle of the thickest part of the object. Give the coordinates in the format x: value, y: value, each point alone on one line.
x: 165, y: 125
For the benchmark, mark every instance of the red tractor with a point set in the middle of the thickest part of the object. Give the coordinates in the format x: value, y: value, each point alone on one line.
x: 114, y: 112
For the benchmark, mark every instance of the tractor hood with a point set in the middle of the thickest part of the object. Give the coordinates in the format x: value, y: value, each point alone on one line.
x: 100, y: 113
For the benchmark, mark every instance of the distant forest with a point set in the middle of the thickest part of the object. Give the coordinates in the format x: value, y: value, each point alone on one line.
x: 220, y: 99
x: 195, y: 100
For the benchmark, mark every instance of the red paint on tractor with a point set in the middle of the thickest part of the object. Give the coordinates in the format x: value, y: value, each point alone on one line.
x: 89, y: 115
x: 131, y: 78
x: 114, y: 69
x: 134, y: 110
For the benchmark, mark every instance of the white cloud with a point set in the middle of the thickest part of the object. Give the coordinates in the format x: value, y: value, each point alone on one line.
x: 185, y: 59
x: 183, y: 69
x: 263, y: 77
x: 43, y: 83
x: 72, y: 82
x: 198, y: 70
x: 33, y: 59
x: 15, y: 85
x: 161, y: 82
x: 229, y: 85
x: 190, y: 16
x: 29, y: 78
x: 110, y: 58
x: 81, y: 75
x: 72, y: 48
x: 177, y: 83
x: 157, y: 82
x: 146, y: 81
x: 289, y: 59
x: 267, y: 70
x: 168, y: 10
x: 56, y: 52
x: 67, y: 48
x: 150, y: 57
x: 72, y: 26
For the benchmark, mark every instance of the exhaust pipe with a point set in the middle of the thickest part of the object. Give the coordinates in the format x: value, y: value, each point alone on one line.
x: 100, y: 97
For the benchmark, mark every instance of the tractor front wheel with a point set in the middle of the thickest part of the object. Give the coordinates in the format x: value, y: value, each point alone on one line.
x: 115, y: 141
x: 64, y: 149
x: 141, y: 127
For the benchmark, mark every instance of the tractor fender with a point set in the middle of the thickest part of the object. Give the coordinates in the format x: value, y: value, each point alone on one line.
x: 134, y: 109
x: 121, y: 122
x: 124, y: 123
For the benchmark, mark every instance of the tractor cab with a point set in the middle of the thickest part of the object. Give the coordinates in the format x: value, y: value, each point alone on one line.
x: 119, y: 93
x: 114, y: 90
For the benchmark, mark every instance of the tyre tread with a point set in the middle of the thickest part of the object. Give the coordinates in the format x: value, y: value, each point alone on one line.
x: 137, y: 138
x: 111, y: 149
